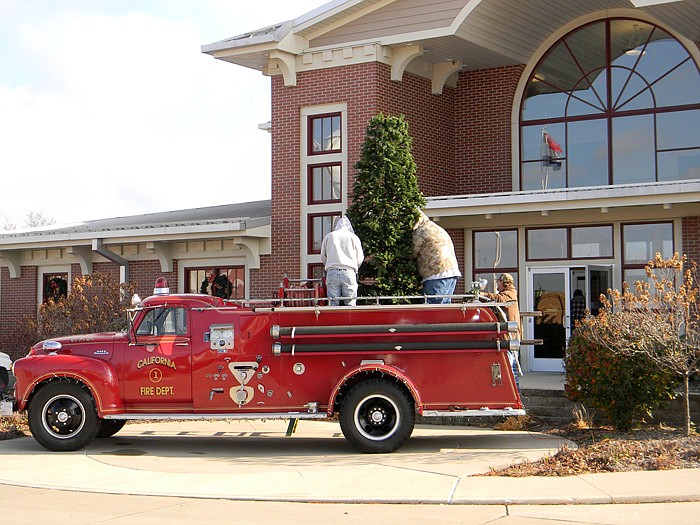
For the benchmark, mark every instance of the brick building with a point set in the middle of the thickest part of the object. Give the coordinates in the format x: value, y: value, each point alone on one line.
x: 556, y: 140
x: 179, y: 245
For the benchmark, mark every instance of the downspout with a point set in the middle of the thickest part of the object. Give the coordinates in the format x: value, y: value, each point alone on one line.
x: 100, y: 248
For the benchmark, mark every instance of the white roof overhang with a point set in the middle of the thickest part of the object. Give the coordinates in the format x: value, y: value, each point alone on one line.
x: 566, y: 206
x: 476, y: 34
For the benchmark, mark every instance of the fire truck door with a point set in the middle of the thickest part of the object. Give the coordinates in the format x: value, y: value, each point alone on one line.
x: 158, y: 368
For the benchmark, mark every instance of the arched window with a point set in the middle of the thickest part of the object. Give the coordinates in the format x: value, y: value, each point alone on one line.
x: 616, y: 101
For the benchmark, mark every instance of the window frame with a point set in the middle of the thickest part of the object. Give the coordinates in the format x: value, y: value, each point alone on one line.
x: 569, y: 242
x: 610, y: 113
x: 625, y: 266
x: 310, y: 229
x: 310, y: 133
x: 310, y: 183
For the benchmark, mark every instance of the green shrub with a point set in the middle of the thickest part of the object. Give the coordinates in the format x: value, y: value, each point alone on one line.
x: 623, y: 388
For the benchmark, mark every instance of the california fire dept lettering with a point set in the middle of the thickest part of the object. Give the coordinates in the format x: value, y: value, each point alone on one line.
x: 156, y: 360
x: 157, y: 391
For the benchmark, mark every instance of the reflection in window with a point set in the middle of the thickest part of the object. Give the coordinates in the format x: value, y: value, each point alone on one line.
x: 55, y: 286
x: 630, y: 118
x: 324, y: 182
x: 547, y: 243
x: 642, y: 241
x: 592, y: 242
x: 496, y: 249
x: 163, y: 321
x: 325, y: 134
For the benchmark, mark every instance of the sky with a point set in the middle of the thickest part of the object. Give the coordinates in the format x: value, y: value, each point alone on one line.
x: 109, y: 108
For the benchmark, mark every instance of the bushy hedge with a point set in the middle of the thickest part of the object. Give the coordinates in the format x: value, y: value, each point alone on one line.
x: 623, y: 388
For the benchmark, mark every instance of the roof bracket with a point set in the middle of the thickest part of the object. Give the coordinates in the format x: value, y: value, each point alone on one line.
x: 84, y: 256
x: 441, y: 72
x: 401, y: 57
x: 286, y: 62
x: 12, y: 259
x: 164, y: 252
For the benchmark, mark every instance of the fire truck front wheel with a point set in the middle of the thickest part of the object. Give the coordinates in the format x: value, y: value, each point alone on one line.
x: 62, y: 416
x: 377, y: 416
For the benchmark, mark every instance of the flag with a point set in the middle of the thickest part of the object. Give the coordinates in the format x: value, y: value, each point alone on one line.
x: 553, y: 152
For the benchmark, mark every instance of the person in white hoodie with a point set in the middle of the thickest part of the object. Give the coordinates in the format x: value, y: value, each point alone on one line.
x: 342, y: 255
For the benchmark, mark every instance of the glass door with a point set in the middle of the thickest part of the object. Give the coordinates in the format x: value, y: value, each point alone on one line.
x: 599, y: 280
x: 548, y: 298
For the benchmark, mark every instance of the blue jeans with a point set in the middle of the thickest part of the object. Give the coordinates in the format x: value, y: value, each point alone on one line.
x: 341, y: 282
x: 444, y: 286
x: 513, y: 358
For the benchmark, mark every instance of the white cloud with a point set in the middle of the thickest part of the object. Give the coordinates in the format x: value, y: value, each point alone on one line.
x: 111, y: 113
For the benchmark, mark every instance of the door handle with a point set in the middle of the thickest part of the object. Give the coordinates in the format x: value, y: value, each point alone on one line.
x: 182, y: 344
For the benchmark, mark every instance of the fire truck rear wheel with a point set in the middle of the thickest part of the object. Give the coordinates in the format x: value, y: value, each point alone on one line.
x: 377, y: 416
x: 109, y: 427
x: 62, y: 416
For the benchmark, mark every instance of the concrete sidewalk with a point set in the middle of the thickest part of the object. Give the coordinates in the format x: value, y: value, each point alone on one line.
x: 254, y: 461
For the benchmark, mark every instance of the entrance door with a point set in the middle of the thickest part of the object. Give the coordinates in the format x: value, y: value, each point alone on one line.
x: 549, y: 295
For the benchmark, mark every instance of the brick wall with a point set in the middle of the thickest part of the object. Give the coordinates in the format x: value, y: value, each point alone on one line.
x: 691, y: 238
x: 18, y: 299
x: 483, y: 104
x: 367, y: 90
x: 143, y: 275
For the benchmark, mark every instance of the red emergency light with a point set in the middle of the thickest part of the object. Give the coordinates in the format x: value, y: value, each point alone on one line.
x: 161, y: 287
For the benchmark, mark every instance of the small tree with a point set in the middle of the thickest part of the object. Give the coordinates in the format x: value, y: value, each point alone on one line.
x: 658, y: 322
x: 96, y: 303
x: 385, y: 203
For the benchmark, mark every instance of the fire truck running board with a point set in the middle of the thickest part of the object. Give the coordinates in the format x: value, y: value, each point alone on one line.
x: 282, y: 415
x: 475, y: 413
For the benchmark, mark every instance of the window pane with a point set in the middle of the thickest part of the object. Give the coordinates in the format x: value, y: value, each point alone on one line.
x: 642, y: 241
x: 631, y: 276
x: 496, y: 249
x: 679, y: 165
x: 591, y: 242
x: 678, y: 129
x: 587, y: 153
x: 547, y: 244
x: 630, y: 91
x: 591, y: 100
x: 55, y: 286
x: 680, y: 86
x: 541, y: 102
x: 325, y: 132
x: 633, y: 149
x: 538, y: 176
x: 325, y: 183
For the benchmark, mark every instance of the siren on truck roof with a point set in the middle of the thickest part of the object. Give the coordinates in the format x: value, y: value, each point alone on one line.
x: 161, y: 287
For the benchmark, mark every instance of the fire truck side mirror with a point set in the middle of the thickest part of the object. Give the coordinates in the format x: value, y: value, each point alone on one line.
x: 135, y: 300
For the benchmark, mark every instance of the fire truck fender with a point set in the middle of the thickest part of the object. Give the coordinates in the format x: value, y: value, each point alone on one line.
x: 371, y: 370
x: 97, y: 375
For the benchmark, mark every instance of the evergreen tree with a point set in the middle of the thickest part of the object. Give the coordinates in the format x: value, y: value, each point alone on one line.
x: 385, y: 203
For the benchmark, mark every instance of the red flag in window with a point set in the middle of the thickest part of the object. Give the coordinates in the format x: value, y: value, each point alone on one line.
x: 554, y: 146
x: 552, y: 152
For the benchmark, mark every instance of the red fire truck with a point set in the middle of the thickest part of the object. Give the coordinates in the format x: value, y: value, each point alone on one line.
x: 190, y: 356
